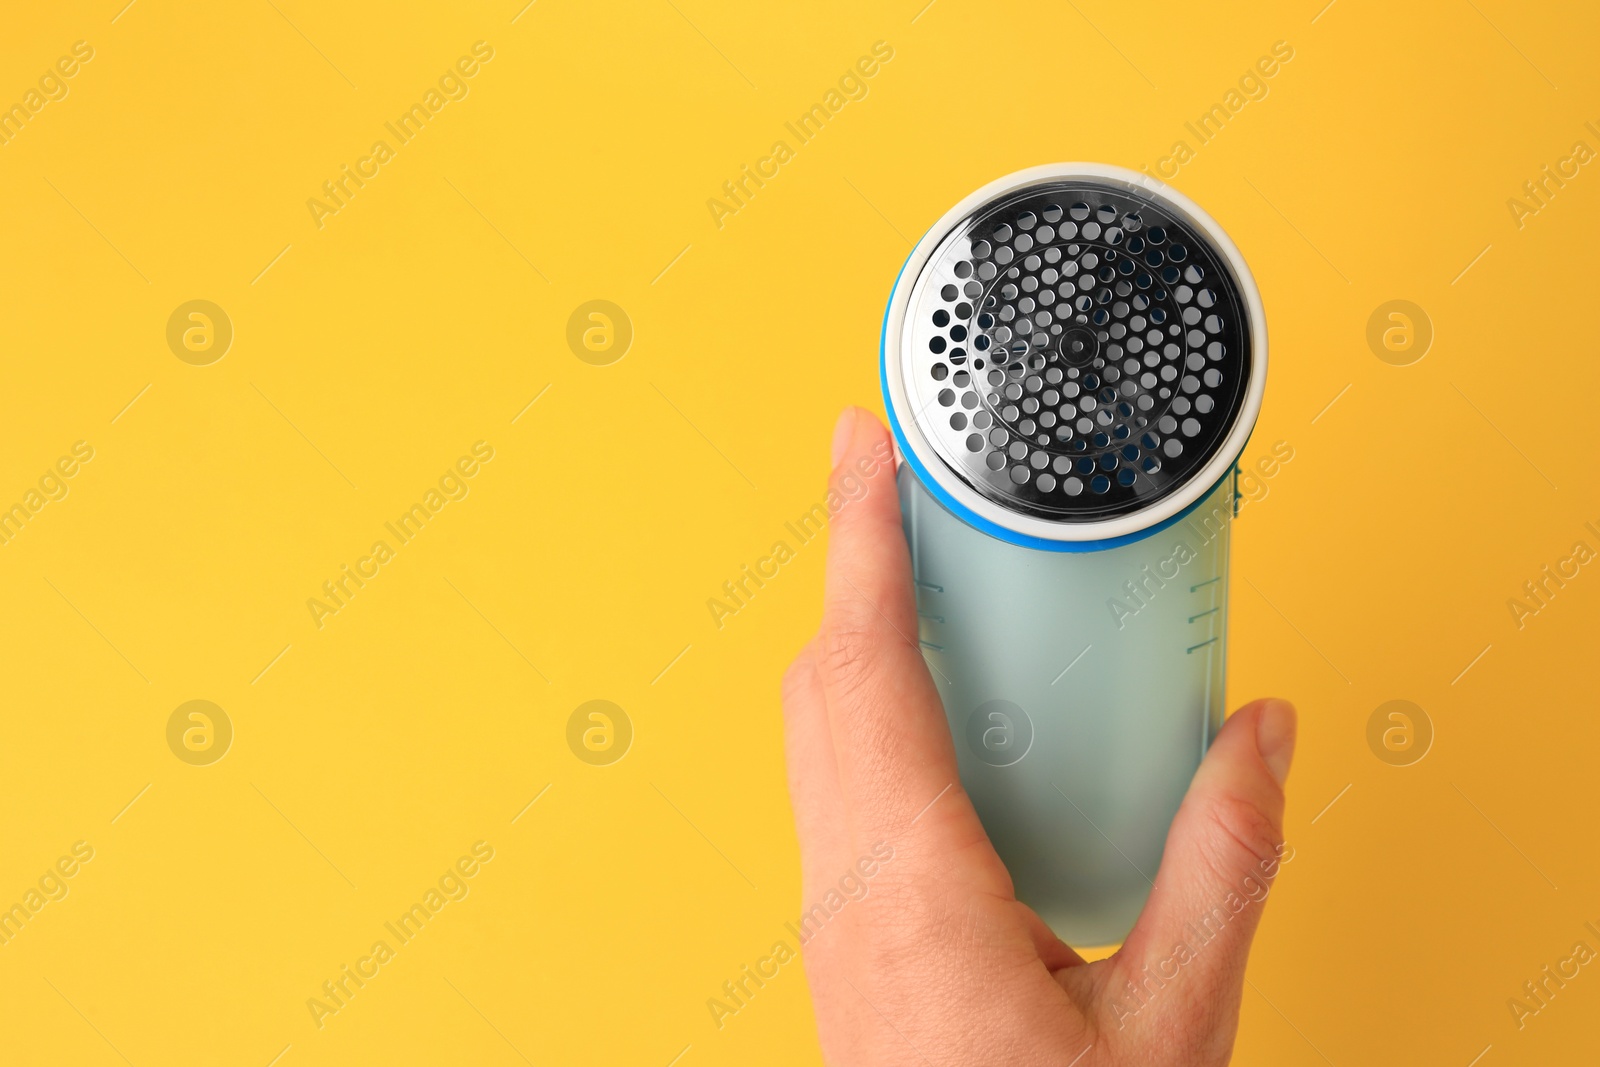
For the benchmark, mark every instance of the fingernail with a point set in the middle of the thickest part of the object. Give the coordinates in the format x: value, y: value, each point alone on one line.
x: 1275, y: 731
x: 843, y: 431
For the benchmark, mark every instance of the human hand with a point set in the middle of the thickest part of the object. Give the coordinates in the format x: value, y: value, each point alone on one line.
x: 939, y: 963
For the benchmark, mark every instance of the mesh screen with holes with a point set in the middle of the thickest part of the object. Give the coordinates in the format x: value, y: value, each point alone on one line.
x: 1076, y: 352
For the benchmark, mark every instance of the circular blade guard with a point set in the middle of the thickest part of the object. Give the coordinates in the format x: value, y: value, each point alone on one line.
x: 1076, y: 352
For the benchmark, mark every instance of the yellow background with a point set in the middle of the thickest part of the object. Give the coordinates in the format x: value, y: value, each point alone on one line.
x: 427, y: 314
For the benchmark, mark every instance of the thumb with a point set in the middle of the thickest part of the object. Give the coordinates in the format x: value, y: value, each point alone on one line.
x: 1223, y: 851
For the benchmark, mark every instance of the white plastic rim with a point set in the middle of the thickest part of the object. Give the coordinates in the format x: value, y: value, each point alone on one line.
x: 1202, y: 482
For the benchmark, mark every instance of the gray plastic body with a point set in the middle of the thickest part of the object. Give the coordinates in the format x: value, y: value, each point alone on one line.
x: 1082, y: 689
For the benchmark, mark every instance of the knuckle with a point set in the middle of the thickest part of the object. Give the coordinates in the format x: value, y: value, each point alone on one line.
x: 1246, y: 837
x: 848, y: 646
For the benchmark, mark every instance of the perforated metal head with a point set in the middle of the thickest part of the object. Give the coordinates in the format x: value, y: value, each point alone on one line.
x: 1075, y: 353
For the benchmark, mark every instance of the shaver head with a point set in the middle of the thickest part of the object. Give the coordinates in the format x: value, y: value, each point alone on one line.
x: 1075, y: 353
